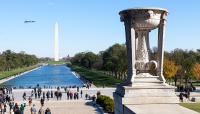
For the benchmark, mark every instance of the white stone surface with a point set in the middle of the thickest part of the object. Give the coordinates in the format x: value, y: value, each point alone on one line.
x: 138, y: 24
x: 56, y: 43
x: 159, y: 109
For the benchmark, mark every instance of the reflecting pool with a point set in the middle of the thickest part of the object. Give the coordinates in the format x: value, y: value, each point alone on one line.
x: 46, y: 76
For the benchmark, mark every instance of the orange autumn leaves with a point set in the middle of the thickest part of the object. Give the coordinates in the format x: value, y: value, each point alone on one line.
x: 196, y: 71
x: 170, y: 69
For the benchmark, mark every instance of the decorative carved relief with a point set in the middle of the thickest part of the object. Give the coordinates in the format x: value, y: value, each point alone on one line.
x: 142, y: 52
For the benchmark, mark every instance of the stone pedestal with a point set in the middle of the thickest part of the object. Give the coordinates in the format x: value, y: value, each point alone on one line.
x: 145, y: 90
x: 141, y: 88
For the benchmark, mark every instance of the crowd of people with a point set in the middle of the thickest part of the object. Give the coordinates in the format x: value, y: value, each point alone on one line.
x: 37, y: 93
x: 6, y: 100
x: 8, y: 104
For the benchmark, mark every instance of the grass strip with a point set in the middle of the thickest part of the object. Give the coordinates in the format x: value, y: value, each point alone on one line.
x: 192, y: 106
x: 55, y: 62
x: 98, y: 78
x: 6, y: 74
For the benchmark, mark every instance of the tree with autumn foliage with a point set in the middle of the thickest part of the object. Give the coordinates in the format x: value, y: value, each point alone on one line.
x: 196, y: 71
x: 170, y: 69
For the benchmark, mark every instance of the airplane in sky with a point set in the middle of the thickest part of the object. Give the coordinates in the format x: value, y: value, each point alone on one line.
x: 29, y: 21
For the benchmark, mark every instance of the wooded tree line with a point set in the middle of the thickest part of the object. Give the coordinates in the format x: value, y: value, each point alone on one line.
x: 10, y: 60
x: 182, y: 64
x: 113, y: 61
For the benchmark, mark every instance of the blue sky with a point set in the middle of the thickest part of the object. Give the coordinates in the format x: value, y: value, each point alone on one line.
x: 89, y: 25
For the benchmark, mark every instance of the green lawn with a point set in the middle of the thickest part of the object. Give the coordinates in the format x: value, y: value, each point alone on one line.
x: 192, y: 106
x: 55, y: 62
x: 97, y: 77
x: 6, y: 74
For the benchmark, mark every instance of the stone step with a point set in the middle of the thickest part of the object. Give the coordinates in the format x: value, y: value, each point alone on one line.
x: 147, y: 76
x: 148, y: 85
x: 150, y: 100
x: 147, y: 80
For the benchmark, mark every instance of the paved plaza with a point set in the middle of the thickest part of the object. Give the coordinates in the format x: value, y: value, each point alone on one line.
x: 63, y: 106
x: 67, y: 107
x: 83, y: 106
x: 161, y: 108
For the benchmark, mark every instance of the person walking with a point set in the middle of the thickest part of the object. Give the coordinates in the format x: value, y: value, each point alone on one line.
x: 16, y: 109
x: 41, y: 110
x: 29, y: 101
x: 181, y: 97
x: 22, y: 107
x: 5, y: 107
x: 42, y: 102
x: 47, y: 111
x: 33, y: 109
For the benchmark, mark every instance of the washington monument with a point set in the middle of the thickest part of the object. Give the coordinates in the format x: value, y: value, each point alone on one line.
x: 56, y: 46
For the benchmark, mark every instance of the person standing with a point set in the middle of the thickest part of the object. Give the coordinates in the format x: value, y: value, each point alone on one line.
x: 11, y: 105
x: 32, y: 93
x: 67, y: 95
x: 35, y: 95
x: 77, y: 89
x: 81, y: 93
x: 51, y: 94
x: 86, y: 96
x: 48, y: 95
x: 43, y: 95
x: 24, y: 96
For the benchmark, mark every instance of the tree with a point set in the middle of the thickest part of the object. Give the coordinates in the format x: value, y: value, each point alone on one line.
x: 170, y: 69
x: 89, y: 59
x: 196, y: 71
x: 11, y: 60
x: 115, y: 60
x: 77, y: 58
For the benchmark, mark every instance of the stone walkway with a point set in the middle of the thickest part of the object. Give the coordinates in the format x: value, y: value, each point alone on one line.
x: 66, y: 107
x: 83, y: 106
x: 161, y: 109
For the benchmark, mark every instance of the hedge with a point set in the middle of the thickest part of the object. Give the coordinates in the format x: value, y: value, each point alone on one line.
x: 106, y: 102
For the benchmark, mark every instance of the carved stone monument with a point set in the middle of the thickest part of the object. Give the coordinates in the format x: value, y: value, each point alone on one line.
x: 141, y: 87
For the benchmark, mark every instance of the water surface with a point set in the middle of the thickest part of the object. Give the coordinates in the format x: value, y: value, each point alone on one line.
x: 48, y: 76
